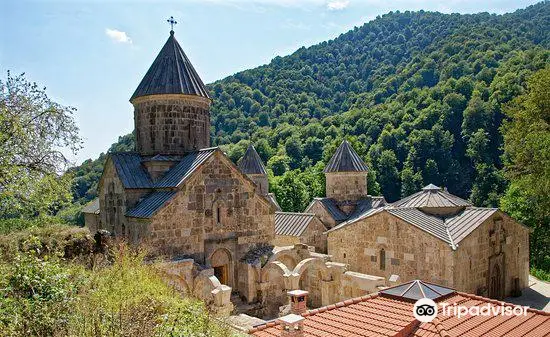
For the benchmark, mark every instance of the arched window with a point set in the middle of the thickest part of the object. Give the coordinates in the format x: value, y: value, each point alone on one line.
x: 382, y: 259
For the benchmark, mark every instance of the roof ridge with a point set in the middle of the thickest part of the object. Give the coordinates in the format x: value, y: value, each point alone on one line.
x: 298, y: 213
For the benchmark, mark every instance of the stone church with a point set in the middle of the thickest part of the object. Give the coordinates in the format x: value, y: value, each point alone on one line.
x: 223, y: 233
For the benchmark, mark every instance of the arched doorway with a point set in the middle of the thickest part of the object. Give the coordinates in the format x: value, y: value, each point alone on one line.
x: 222, y: 264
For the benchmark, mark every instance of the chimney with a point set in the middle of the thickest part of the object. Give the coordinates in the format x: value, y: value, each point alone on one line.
x: 291, y: 325
x: 298, y: 299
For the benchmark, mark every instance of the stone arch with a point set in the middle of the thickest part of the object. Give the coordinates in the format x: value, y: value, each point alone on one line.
x: 273, y: 290
x: 312, y: 272
x: 289, y: 257
x: 222, y: 263
x: 203, y: 286
x: 305, y: 264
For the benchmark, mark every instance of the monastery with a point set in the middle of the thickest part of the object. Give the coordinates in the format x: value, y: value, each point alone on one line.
x: 225, y: 239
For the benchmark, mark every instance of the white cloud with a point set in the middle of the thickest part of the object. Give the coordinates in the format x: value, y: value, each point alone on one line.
x: 118, y: 36
x: 337, y: 5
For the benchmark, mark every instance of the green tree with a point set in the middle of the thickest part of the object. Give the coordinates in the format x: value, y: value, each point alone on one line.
x: 527, y: 163
x: 33, y: 129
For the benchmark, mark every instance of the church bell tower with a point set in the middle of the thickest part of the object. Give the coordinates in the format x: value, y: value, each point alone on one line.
x: 171, y: 105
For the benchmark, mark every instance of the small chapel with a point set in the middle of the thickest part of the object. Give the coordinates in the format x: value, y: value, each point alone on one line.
x: 225, y: 239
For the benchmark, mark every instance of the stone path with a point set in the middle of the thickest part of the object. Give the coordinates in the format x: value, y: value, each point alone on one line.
x: 537, y: 296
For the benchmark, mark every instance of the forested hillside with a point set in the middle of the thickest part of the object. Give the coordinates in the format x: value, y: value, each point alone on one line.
x: 419, y: 94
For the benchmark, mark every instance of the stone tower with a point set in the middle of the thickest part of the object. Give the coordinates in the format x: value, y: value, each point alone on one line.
x: 346, y: 175
x: 171, y: 106
x: 251, y: 165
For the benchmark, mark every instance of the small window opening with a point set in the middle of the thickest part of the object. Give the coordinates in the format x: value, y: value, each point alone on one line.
x: 382, y: 259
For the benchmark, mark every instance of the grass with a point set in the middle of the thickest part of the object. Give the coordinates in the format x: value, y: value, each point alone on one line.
x: 540, y: 274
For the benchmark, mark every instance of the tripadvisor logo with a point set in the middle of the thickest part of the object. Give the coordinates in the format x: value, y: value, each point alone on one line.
x: 425, y: 310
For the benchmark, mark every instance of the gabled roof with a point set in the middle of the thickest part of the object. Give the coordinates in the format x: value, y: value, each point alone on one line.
x: 151, y: 204
x: 92, y: 207
x: 451, y: 229
x: 428, y: 223
x: 251, y: 163
x: 415, y: 290
x: 462, y: 224
x: 171, y: 73
x: 292, y: 224
x: 185, y: 168
x: 380, y: 314
x: 162, y: 157
x: 432, y: 196
x: 130, y: 171
x: 345, y: 159
x: 331, y: 207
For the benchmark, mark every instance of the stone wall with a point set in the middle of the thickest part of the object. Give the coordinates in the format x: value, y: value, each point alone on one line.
x: 497, y: 236
x: 346, y: 186
x: 215, y: 209
x: 112, y: 200
x: 171, y: 124
x: 262, y: 184
x: 405, y: 250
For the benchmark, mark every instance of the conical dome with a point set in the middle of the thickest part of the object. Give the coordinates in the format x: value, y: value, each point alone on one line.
x: 171, y: 73
x: 346, y: 160
x: 251, y: 163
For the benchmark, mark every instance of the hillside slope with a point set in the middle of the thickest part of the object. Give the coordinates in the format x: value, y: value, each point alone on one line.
x: 419, y: 94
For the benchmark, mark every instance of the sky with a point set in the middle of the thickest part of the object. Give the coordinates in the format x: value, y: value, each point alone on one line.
x: 92, y: 54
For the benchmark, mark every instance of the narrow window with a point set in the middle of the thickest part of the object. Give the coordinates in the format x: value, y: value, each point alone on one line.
x: 218, y: 212
x: 382, y: 259
x: 344, y: 255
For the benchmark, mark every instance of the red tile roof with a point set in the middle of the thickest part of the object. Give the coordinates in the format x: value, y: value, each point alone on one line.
x: 378, y: 315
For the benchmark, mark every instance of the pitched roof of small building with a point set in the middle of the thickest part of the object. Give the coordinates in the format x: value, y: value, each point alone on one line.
x: 292, y: 224
x: 151, y: 204
x: 390, y: 313
x: 345, y: 159
x: 92, y: 207
x: 362, y: 207
x: 171, y: 73
x: 251, y: 163
x: 432, y: 196
x: 130, y: 171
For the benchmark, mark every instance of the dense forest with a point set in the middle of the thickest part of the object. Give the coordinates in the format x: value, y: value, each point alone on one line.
x: 421, y: 96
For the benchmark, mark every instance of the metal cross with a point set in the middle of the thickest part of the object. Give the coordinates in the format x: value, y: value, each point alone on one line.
x: 172, y: 22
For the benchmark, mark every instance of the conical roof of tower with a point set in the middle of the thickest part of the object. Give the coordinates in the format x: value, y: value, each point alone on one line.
x: 171, y: 73
x: 251, y: 163
x: 346, y: 160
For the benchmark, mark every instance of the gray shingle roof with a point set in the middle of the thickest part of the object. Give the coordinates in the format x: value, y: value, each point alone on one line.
x: 428, y: 223
x: 251, y: 163
x: 292, y: 224
x: 161, y: 157
x: 432, y: 196
x: 153, y: 202
x: 185, y: 168
x: 92, y: 207
x: 332, y: 208
x: 171, y: 73
x: 462, y: 224
x: 415, y: 290
x: 130, y: 171
x: 345, y: 159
